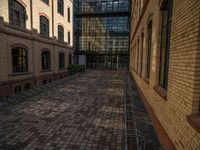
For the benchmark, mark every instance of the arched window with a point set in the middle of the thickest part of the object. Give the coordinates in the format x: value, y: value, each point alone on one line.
x: 19, y: 60
x: 46, y: 62
x: 165, y: 43
x: 68, y: 14
x: 149, y: 47
x: 60, y: 5
x: 60, y: 33
x: 17, y: 14
x: 61, y: 60
x: 44, y: 26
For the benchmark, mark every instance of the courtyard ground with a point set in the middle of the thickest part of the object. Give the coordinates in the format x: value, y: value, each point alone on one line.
x: 86, y: 111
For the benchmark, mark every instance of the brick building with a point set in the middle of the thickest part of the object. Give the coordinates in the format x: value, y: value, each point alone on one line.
x: 35, y: 42
x: 165, y: 63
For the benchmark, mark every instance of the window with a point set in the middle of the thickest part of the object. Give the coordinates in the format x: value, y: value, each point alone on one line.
x: 61, y: 60
x: 138, y: 54
x: 27, y: 86
x: 69, y: 14
x: 141, y: 53
x: 60, y: 5
x: 17, y: 14
x: 60, y: 33
x: 44, y: 81
x: 149, y: 46
x: 115, y: 5
x: 44, y: 26
x: 19, y: 60
x: 69, y: 38
x: 165, y: 44
x: 17, y: 89
x: 70, y: 59
x: 46, y: 63
x: 46, y: 1
x: 103, y: 6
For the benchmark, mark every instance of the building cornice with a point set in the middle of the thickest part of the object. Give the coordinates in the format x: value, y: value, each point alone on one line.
x: 30, y: 35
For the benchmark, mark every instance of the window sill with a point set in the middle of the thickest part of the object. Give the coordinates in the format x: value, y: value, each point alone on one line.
x: 194, y: 121
x: 161, y: 91
x: 18, y: 28
x: 19, y: 73
x: 45, y: 36
x: 146, y: 80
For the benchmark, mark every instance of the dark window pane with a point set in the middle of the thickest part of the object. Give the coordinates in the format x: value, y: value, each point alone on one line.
x: 46, y: 1
x: 138, y: 54
x: 60, y: 5
x: 17, y: 14
x: 149, y: 47
x: 70, y: 59
x: 27, y: 86
x: 61, y: 60
x: 19, y: 60
x: 165, y: 44
x: 44, y: 26
x: 46, y: 64
x: 69, y: 40
x: 69, y: 14
x: 141, y: 53
x: 60, y: 33
x: 17, y: 89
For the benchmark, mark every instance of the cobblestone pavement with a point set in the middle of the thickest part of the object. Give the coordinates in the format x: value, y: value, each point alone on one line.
x: 83, y: 113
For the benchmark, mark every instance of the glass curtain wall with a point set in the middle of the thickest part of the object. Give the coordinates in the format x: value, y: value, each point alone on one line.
x: 102, y: 32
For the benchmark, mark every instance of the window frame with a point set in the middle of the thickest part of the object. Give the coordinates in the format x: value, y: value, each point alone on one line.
x: 19, y: 60
x: 60, y: 7
x: 46, y: 60
x: 61, y: 60
x: 61, y: 33
x: 69, y: 37
x: 69, y: 14
x: 165, y: 44
x: 17, y: 14
x: 44, y: 24
x: 141, y: 53
x: 45, y: 1
x: 138, y: 54
x: 149, y: 49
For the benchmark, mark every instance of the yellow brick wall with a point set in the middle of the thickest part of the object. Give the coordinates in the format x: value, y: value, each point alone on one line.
x: 40, y: 7
x: 64, y: 20
x: 4, y: 10
x: 183, y: 93
x: 31, y: 39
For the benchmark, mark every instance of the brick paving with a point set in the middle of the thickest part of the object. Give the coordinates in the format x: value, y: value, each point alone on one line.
x: 83, y: 113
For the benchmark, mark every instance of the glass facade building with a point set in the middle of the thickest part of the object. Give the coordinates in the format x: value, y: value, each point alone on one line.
x: 101, y: 33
